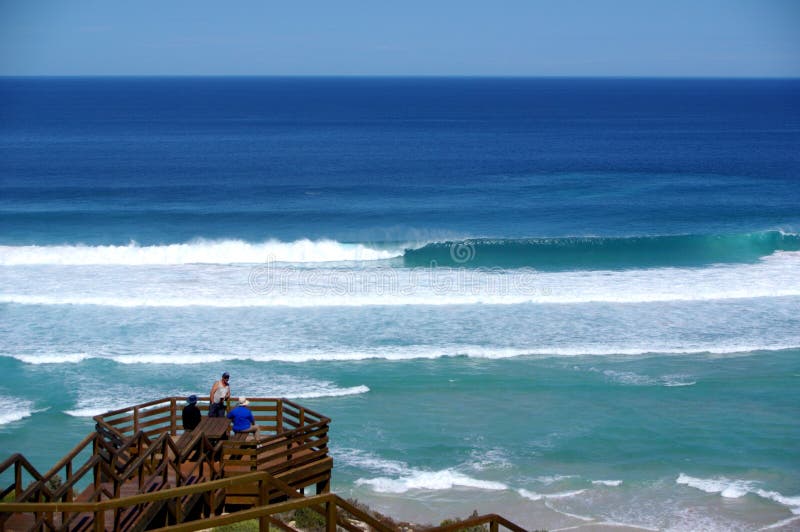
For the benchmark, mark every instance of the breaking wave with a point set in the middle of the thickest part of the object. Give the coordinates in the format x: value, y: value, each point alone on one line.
x: 197, y: 252
x: 556, y: 253
x: 591, y: 253
x: 735, y: 488
x: 416, y: 352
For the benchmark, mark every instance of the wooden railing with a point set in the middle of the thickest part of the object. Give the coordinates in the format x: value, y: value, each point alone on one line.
x: 336, y: 511
x: 291, y: 436
x: 155, y: 465
x: 300, y: 436
x: 135, y: 449
x: 274, y: 416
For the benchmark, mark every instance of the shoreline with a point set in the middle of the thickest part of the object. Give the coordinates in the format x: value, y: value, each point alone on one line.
x: 666, y: 511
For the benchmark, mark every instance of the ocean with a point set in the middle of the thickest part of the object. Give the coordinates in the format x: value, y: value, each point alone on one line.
x: 573, y: 302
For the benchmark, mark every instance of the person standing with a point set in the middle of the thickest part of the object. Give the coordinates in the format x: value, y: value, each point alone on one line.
x: 220, y: 392
x: 243, y: 420
x: 191, y: 414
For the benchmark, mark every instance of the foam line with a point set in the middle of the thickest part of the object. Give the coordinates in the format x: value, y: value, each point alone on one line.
x: 197, y: 252
x: 411, y: 353
x: 270, y: 285
x: 428, y: 480
x: 736, y: 488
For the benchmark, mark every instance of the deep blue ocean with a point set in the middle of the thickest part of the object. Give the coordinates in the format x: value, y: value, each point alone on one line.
x: 569, y: 301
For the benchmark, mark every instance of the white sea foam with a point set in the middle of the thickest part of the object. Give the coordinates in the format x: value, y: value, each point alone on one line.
x: 330, y: 392
x: 735, y: 488
x: 534, y: 496
x: 292, y: 387
x: 791, y: 502
x: 218, y: 285
x: 428, y: 480
x: 634, y: 379
x: 21, y: 409
x: 585, y: 518
x: 364, y: 460
x: 489, y: 459
x: 729, y: 488
x: 118, y: 396
x: 53, y: 358
x: 198, y: 252
x: 398, y: 354
x: 611, y: 483
x: 782, y: 523
x: 551, y: 479
x: 404, y: 478
x: 678, y: 382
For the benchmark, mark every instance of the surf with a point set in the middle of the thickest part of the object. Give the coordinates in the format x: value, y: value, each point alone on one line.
x: 603, y: 252
x: 196, y: 252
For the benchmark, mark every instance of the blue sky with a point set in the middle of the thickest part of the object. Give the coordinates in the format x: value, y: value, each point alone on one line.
x: 754, y: 38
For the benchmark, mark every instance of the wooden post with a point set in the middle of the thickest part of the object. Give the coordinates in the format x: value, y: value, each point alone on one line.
x: 71, y: 491
x: 97, y: 475
x: 263, y: 500
x: 178, y: 511
x: 135, y: 419
x: 330, y: 516
x: 279, y: 415
x: 99, y: 521
x: 493, y: 527
x: 173, y: 409
x: 17, y: 479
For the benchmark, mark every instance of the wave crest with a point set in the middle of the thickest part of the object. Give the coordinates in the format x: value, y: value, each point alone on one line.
x: 592, y: 253
x: 197, y: 252
x: 735, y: 488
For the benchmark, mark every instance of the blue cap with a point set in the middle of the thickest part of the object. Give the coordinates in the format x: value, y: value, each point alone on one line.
x: 192, y: 399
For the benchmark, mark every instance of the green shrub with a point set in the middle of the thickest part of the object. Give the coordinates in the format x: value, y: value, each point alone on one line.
x: 242, y: 526
x: 54, y: 483
x: 309, y: 519
x: 250, y: 525
x: 455, y: 521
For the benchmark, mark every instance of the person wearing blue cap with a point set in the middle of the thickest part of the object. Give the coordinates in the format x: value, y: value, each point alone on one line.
x: 191, y: 414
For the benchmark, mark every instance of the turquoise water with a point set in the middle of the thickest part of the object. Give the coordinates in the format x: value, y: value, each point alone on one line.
x: 570, y: 302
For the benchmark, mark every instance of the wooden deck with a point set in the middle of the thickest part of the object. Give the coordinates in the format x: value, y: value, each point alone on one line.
x: 140, y: 471
x: 143, y: 449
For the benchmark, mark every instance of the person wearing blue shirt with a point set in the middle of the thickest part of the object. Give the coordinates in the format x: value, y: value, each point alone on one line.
x: 243, y: 420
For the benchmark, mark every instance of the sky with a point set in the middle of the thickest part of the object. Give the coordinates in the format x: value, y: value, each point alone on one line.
x: 668, y: 38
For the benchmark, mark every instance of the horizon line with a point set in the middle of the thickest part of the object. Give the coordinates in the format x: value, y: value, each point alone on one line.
x: 406, y: 76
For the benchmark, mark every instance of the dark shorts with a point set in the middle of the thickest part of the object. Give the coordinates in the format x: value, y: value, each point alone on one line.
x: 216, y: 410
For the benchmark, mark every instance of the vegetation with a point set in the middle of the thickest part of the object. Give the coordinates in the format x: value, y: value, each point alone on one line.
x: 455, y: 521
x: 308, y: 519
x: 242, y: 526
x: 385, y: 519
x: 54, y: 482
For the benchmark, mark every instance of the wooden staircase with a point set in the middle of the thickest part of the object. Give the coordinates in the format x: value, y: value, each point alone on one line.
x: 136, y: 471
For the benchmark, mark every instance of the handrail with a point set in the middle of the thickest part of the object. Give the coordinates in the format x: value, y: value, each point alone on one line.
x: 306, y: 410
x: 19, y: 461
x: 121, y: 502
x: 262, y: 478
x: 329, y: 501
x: 493, y: 520
x: 70, y: 455
x: 167, y: 415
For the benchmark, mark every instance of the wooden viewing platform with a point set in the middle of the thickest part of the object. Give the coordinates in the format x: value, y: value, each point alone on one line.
x: 140, y: 471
